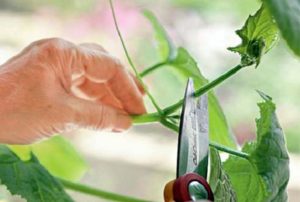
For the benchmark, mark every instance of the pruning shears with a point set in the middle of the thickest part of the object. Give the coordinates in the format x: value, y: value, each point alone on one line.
x: 192, y: 153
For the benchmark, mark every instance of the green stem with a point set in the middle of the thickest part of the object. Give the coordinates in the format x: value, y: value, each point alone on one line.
x: 152, y: 68
x: 130, y: 61
x: 146, y: 118
x: 229, y: 151
x: 219, y: 80
x: 169, y: 125
x: 176, y: 116
x: 205, y: 88
x: 97, y: 192
x: 212, y: 144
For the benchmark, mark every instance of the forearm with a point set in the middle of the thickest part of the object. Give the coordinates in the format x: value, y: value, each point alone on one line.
x: 5, y: 92
x: 7, y: 88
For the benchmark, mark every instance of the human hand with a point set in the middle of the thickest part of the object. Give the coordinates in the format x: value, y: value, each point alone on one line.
x: 53, y: 85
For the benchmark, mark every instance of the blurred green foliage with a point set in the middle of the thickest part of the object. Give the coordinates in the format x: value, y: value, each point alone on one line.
x: 277, y: 74
x: 288, y: 22
x: 293, y: 139
x: 183, y: 66
x: 57, y: 155
x: 209, y: 7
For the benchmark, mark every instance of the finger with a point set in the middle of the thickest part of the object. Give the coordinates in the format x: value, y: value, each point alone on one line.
x: 93, y: 46
x: 97, y: 92
x: 98, y: 116
x: 102, y: 68
x: 125, y: 89
x: 91, y: 89
x: 110, y: 100
x: 75, y: 88
x: 28, y: 48
x: 78, y: 81
x: 138, y: 83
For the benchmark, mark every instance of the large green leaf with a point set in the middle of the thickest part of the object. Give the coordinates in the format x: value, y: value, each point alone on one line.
x: 57, y: 155
x: 219, y: 180
x: 247, y: 183
x: 182, y: 65
x: 265, y: 176
x: 287, y: 16
x: 258, y: 35
x: 164, y: 44
x: 269, y: 154
x: 29, y: 179
x: 185, y: 66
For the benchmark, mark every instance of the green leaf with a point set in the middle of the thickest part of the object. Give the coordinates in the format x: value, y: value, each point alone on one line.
x: 184, y: 66
x: 52, y: 154
x: 219, y: 180
x: 287, y: 16
x: 258, y: 35
x: 29, y: 179
x: 165, y: 46
x: 265, y: 176
x: 247, y: 183
x: 270, y: 155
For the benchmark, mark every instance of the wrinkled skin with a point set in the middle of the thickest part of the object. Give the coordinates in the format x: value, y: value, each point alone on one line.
x: 54, y: 85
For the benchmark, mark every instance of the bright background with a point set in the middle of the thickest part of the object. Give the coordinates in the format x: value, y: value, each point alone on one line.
x: 141, y: 161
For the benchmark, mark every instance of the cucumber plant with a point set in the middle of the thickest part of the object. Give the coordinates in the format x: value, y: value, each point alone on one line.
x: 257, y: 172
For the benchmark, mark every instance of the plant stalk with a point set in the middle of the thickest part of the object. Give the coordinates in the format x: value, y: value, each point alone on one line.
x: 146, y: 118
x: 219, y: 80
x: 205, y: 88
x: 155, y: 117
x: 97, y: 192
x: 212, y: 144
x: 170, y: 125
x: 130, y: 60
x: 229, y: 151
x: 152, y: 68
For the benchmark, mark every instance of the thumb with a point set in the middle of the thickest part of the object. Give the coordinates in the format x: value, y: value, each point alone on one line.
x: 97, y: 116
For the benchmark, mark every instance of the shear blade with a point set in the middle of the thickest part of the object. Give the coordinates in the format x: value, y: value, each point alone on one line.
x: 193, y: 137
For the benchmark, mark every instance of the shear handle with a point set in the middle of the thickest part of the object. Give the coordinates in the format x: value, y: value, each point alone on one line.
x: 188, y: 187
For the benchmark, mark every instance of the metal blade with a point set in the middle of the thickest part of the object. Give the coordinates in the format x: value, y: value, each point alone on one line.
x: 193, y: 137
x: 203, y: 136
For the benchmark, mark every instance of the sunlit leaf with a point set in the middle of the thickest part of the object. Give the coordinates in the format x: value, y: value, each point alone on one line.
x: 265, y: 176
x: 258, y: 36
x: 29, y: 179
x: 57, y: 155
x: 164, y: 44
x: 247, y: 184
x: 219, y: 180
x: 287, y: 16
x: 184, y: 66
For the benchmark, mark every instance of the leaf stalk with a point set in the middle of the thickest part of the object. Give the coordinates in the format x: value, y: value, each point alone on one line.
x: 157, y: 117
x: 217, y: 146
x: 130, y: 60
x: 229, y: 151
x: 169, y: 125
x: 152, y: 68
x: 205, y: 88
x: 146, y: 118
x: 97, y: 192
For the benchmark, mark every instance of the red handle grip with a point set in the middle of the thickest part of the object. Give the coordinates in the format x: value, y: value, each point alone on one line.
x: 178, y: 190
